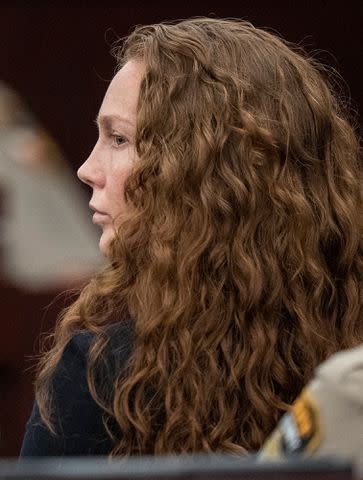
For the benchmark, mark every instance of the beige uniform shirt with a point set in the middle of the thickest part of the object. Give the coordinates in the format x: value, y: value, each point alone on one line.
x: 327, y: 418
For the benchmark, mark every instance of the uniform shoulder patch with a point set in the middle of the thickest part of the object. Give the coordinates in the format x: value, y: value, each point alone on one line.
x: 298, y: 432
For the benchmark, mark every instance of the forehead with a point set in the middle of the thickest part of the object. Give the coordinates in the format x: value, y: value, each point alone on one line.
x: 123, y: 92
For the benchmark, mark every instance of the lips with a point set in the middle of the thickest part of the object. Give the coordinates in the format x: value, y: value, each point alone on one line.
x: 99, y: 217
x: 96, y: 210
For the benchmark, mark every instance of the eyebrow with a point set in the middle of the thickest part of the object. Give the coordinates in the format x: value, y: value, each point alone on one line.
x: 107, y: 120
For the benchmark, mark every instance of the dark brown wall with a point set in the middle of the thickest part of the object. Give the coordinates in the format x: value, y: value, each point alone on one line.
x: 55, y: 54
x: 57, y: 57
x: 23, y: 317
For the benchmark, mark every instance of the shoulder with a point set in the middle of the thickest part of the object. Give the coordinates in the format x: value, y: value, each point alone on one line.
x: 71, y: 370
x: 76, y: 350
x: 78, y: 417
x: 343, y: 372
x: 119, y: 337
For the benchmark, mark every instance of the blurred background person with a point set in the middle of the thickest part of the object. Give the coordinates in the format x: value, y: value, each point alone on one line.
x: 48, y: 245
x: 47, y: 239
x: 326, y: 420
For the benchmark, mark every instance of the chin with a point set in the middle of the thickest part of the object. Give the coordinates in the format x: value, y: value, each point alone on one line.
x: 105, y: 242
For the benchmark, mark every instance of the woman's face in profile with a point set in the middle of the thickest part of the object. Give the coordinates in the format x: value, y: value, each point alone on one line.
x: 111, y: 159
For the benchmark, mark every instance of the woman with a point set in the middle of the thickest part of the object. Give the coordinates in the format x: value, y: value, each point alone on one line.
x: 226, y: 182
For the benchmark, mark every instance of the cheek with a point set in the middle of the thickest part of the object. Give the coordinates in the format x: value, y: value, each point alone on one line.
x: 116, y: 189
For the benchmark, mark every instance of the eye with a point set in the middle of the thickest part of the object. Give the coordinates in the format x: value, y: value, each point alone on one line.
x: 118, y: 140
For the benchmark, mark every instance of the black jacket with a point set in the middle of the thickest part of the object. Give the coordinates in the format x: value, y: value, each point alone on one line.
x: 79, y: 419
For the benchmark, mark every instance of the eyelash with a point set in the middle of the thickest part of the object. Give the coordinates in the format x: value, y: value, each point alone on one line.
x: 114, y: 137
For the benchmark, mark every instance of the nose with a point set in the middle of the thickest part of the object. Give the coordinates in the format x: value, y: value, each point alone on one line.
x: 90, y: 172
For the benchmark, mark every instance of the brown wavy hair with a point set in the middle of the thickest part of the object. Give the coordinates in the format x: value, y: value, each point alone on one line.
x: 240, y: 258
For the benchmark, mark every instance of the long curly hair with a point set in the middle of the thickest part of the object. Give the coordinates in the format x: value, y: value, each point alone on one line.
x: 239, y: 260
